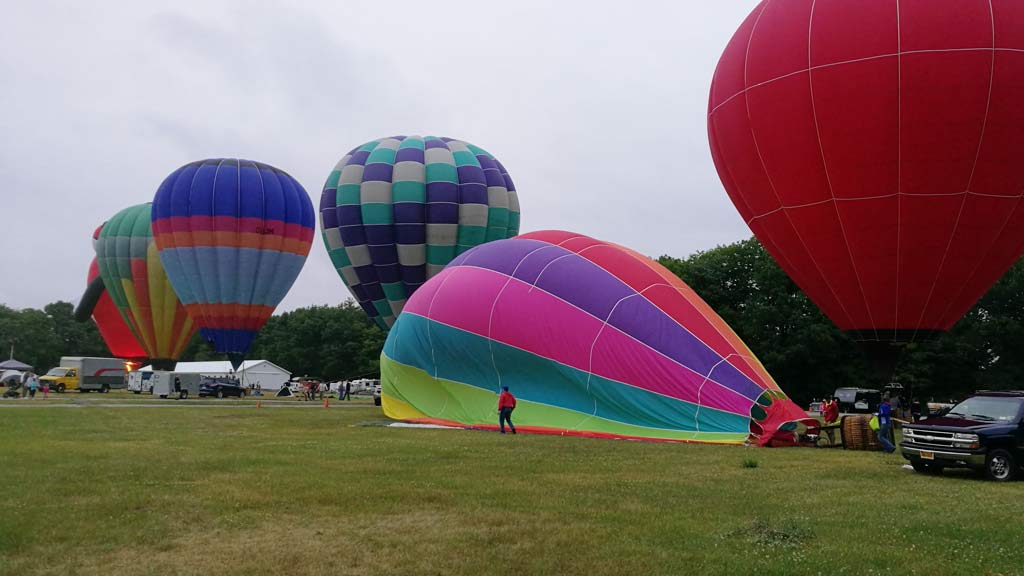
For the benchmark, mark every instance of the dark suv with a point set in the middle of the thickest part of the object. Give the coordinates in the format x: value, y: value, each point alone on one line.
x: 984, y: 432
x: 220, y: 386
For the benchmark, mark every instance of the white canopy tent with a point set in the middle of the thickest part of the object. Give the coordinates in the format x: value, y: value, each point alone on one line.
x: 262, y: 373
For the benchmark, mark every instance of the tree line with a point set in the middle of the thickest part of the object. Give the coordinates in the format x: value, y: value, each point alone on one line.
x: 805, y: 353
x: 330, y: 342
x: 809, y: 357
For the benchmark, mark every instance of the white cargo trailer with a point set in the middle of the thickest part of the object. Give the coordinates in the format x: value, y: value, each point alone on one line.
x: 175, y: 384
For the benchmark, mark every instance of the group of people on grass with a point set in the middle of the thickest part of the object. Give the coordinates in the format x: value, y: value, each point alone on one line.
x: 830, y: 416
x: 313, y: 389
x: 829, y: 410
x: 30, y: 384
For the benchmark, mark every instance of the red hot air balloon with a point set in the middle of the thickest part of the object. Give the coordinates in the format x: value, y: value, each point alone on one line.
x: 874, y: 148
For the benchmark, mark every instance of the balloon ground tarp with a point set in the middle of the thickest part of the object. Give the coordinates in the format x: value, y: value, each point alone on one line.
x: 592, y: 338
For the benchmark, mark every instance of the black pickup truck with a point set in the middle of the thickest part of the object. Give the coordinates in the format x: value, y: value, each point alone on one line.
x: 984, y: 432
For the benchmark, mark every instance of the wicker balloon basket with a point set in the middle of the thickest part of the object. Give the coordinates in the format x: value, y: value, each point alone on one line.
x: 857, y: 434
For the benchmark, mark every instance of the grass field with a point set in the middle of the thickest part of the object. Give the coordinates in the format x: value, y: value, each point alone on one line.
x: 119, y: 491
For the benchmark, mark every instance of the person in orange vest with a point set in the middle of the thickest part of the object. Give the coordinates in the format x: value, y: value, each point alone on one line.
x: 506, y: 404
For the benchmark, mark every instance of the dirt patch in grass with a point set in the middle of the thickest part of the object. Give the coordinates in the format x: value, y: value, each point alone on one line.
x: 786, y: 534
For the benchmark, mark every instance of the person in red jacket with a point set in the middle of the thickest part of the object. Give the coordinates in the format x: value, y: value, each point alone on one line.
x: 506, y: 404
x: 832, y: 411
x: 830, y: 414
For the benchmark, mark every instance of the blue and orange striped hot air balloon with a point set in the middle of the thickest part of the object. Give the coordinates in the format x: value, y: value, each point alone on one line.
x: 233, y: 235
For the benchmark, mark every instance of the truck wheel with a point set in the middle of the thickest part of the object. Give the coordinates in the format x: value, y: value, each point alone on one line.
x: 60, y: 388
x: 220, y: 393
x: 925, y: 467
x: 105, y: 389
x: 1000, y: 466
x: 184, y: 395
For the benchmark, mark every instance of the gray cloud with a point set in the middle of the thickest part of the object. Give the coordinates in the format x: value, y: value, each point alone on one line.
x: 597, y: 109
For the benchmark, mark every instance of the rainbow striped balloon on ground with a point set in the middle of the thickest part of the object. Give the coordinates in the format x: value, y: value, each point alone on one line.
x: 233, y: 236
x: 395, y: 211
x: 594, y: 340
x: 136, y: 282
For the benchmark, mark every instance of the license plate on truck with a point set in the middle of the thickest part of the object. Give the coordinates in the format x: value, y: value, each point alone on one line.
x: 927, y: 455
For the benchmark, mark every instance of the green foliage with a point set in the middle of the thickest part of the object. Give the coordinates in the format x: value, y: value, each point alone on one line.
x: 331, y: 342
x: 749, y: 463
x: 809, y: 357
x: 805, y: 353
x: 980, y: 352
x: 41, y: 337
x: 799, y: 346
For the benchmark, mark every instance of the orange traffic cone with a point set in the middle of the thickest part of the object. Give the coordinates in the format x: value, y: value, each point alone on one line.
x: 325, y: 403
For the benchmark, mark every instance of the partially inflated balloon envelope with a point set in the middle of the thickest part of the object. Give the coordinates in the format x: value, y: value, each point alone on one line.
x: 592, y: 338
x: 233, y: 236
x: 112, y: 326
x: 136, y: 282
x: 395, y: 211
x: 97, y: 304
x: 875, y: 150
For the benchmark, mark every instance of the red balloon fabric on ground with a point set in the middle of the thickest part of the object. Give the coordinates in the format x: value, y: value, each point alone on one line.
x: 874, y: 148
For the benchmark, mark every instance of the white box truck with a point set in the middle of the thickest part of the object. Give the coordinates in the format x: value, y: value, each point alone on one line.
x: 87, y: 374
x: 175, y: 384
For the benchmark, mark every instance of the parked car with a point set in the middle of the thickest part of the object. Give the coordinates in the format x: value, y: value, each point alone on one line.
x: 220, y: 388
x: 985, y: 432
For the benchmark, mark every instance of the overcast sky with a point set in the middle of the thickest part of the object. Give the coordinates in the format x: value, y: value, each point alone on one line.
x: 597, y: 109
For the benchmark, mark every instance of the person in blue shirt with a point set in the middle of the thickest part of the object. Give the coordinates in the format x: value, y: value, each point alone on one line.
x: 885, y: 425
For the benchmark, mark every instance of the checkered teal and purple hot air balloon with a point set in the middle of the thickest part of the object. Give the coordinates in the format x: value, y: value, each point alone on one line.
x: 233, y: 236
x: 395, y: 211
